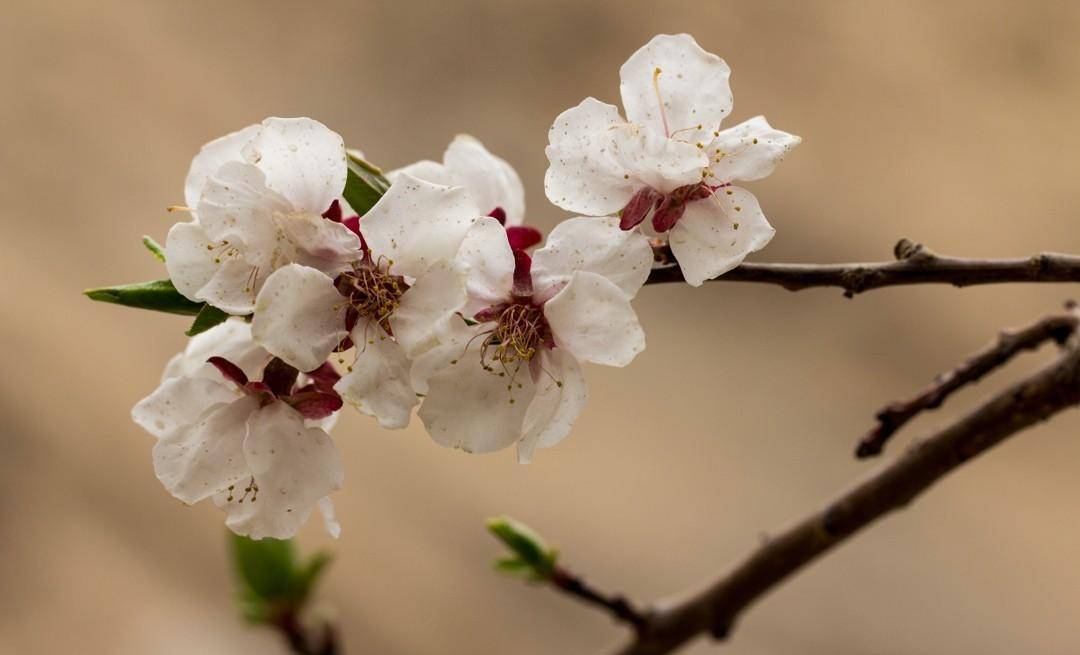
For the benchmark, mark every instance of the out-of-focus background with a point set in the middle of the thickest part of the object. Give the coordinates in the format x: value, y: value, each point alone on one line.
x: 950, y: 123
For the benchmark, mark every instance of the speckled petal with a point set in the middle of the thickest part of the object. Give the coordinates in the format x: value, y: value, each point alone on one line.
x: 294, y: 466
x: 749, y: 151
x: 299, y: 316
x: 714, y: 235
x: 692, y: 85
x: 303, y: 160
x: 417, y: 223
x: 592, y: 318
x: 595, y: 245
x: 583, y: 176
x: 489, y: 179
x: 560, y: 396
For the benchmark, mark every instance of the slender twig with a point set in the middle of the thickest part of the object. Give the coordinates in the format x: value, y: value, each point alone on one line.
x: 1008, y: 344
x: 301, y: 641
x: 620, y: 608
x: 914, y: 265
x: 715, y: 608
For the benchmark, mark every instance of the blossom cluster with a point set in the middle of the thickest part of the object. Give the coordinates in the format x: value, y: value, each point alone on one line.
x: 437, y: 296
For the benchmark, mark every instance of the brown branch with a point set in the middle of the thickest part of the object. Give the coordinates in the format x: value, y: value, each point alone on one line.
x: 620, y: 608
x: 302, y: 641
x: 914, y: 265
x: 715, y: 608
x: 1008, y: 344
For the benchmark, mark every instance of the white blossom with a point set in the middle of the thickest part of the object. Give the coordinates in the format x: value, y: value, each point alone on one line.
x: 260, y: 450
x: 257, y: 197
x: 390, y: 301
x: 512, y: 372
x: 668, y: 158
x: 492, y: 184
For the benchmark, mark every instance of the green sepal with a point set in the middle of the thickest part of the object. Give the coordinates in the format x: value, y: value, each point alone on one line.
x: 364, y: 185
x: 159, y: 295
x: 154, y: 247
x: 272, y: 579
x: 532, y: 556
x: 208, y: 317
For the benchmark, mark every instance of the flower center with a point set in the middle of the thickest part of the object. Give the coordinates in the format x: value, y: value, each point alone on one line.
x: 371, y: 291
x: 520, y: 331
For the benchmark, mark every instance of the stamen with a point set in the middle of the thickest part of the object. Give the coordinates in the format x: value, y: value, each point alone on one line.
x: 660, y: 100
x: 178, y: 208
x: 518, y: 335
x: 252, y: 488
x: 372, y: 291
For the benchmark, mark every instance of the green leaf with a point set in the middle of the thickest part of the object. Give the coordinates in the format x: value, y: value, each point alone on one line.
x: 154, y: 247
x: 207, y: 318
x: 308, y: 575
x: 364, y: 185
x: 266, y: 566
x: 272, y: 579
x: 529, y: 547
x: 159, y: 295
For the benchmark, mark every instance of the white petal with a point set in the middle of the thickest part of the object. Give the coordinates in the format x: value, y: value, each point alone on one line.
x: 717, y: 233
x: 651, y: 159
x: 181, y: 402
x: 294, y: 467
x: 448, y: 346
x: 303, y: 160
x: 560, y: 396
x: 218, y: 274
x: 595, y: 245
x: 416, y: 224
x: 188, y: 259
x: 749, y: 151
x: 199, y: 460
x: 474, y: 409
x: 490, y: 262
x: 326, y: 508
x: 489, y: 179
x: 426, y: 170
x: 378, y: 383
x: 299, y: 316
x: 429, y: 305
x: 211, y: 157
x: 235, y: 285
x: 231, y: 340
x: 322, y: 244
x: 692, y: 83
x: 237, y: 206
x: 592, y: 318
x: 583, y: 176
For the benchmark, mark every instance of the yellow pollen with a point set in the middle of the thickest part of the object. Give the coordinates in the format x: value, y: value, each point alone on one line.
x: 517, y: 336
x: 372, y: 292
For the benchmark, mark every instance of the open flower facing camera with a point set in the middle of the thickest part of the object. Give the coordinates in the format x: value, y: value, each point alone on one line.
x: 317, y: 282
x: 668, y: 159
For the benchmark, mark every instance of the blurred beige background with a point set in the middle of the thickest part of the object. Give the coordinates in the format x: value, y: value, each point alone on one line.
x: 952, y: 123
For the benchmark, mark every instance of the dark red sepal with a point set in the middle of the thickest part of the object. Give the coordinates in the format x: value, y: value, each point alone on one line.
x: 523, y: 286
x: 260, y: 389
x: 337, y: 215
x: 230, y: 371
x: 498, y: 214
x: 315, y: 405
x: 638, y: 208
x: 489, y: 314
x: 324, y: 378
x: 334, y: 212
x: 668, y: 213
x: 280, y: 377
x: 523, y: 236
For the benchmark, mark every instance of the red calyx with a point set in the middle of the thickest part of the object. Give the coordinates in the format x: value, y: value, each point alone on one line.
x: 523, y: 286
